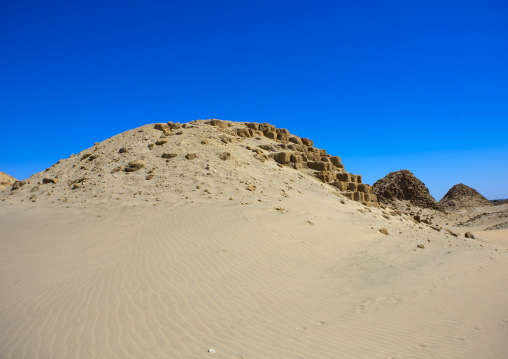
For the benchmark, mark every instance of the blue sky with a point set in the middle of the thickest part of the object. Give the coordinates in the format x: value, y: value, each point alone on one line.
x: 386, y: 85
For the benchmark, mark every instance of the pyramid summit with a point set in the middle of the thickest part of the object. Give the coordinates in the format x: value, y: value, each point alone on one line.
x: 461, y: 196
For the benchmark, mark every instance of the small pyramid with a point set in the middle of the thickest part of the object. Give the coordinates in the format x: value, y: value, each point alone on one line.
x: 403, y: 185
x: 461, y: 196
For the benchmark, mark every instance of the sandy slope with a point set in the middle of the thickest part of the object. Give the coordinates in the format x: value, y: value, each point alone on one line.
x: 290, y: 270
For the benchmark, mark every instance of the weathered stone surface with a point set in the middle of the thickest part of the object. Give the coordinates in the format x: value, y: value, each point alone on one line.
x: 219, y: 123
x: 365, y: 188
x: 352, y: 186
x: 341, y: 186
x: 169, y: 155
x: 359, y: 196
x: 243, y: 132
x: 349, y: 195
x: 135, y: 165
x: 253, y: 125
x: 174, y: 126
x: 282, y: 130
x: 266, y: 127
x: 49, y: 180
x: 335, y: 160
x: 307, y: 142
x: 161, y: 141
x: 282, y: 137
x: 326, y: 176
x: 319, y: 165
x: 296, y: 158
x: 164, y: 127
x: 297, y: 165
x: 282, y: 157
x: 270, y: 148
x: 344, y: 177
x: 271, y: 135
x: 296, y: 140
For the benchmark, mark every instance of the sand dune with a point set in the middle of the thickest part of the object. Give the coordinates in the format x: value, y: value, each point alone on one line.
x: 289, y: 270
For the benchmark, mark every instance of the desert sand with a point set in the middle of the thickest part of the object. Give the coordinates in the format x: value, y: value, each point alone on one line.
x: 232, y: 258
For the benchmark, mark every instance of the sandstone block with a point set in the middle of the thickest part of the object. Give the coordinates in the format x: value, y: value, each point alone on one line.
x: 50, y: 180
x: 359, y: 196
x: 296, y: 140
x: 352, y: 186
x: 349, y: 195
x: 253, y: 125
x: 341, y: 186
x: 266, y: 127
x: 319, y: 165
x: 243, y: 132
x: 282, y: 157
x: 271, y: 135
x: 169, y: 155
x: 298, y: 165
x: 344, y: 177
x: 296, y: 158
x: 161, y: 141
x: 335, y: 160
x: 282, y: 137
x: 283, y: 130
x: 326, y: 176
x: 307, y: 142
x: 174, y: 126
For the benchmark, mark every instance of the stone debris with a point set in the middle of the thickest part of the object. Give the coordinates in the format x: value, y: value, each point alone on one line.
x: 461, y: 197
x: 133, y: 166
x: 469, y: 235
x: 384, y: 231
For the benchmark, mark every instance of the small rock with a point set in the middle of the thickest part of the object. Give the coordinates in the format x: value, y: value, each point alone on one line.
x: 123, y: 150
x: 224, y: 156
x: 205, y: 141
x: 161, y: 142
x: 50, y: 180
x: 420, y: 246
x: 133, y: 166
x: 148, y: 178
x: 384, y: 231
x: 169, y: 155
x: 469, y: 235
x: 116, y: 169
x: 190, y: 156
x: 251, y: 187
x: 211, y: 351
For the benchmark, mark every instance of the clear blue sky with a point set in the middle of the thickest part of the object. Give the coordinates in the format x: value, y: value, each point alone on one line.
x: 386, y: 85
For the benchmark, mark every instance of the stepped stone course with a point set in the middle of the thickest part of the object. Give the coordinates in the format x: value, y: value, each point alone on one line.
x: 300, y: 153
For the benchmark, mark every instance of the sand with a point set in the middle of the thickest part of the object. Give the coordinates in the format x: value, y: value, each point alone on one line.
x: 289, y: 270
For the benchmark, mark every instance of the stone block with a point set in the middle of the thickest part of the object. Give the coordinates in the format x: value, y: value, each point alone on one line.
x: 253, y: 125
x: 349, y: 195
x: 307, y: 142
x: 335, y: 160
x: 218, y: 123
x: 326, y: 176
x: 282, y: 157
x: 283, y: 131
x: 270, y: 135
x: 298, y: 165
x: 352, y: 186
x: 344, y: 177
x: 296, y: 140
x: 296, y: 158
x: 266, y: 127
x: 282, y: 137
x: 341, y: 186
x: 359, y: 196
x: 319, y: 166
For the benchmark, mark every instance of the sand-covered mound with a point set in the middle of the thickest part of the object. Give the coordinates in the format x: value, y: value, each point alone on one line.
x: 197, y: 241
x: 403, y: 185
x: 461, y: 196
x: 6, y: 180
